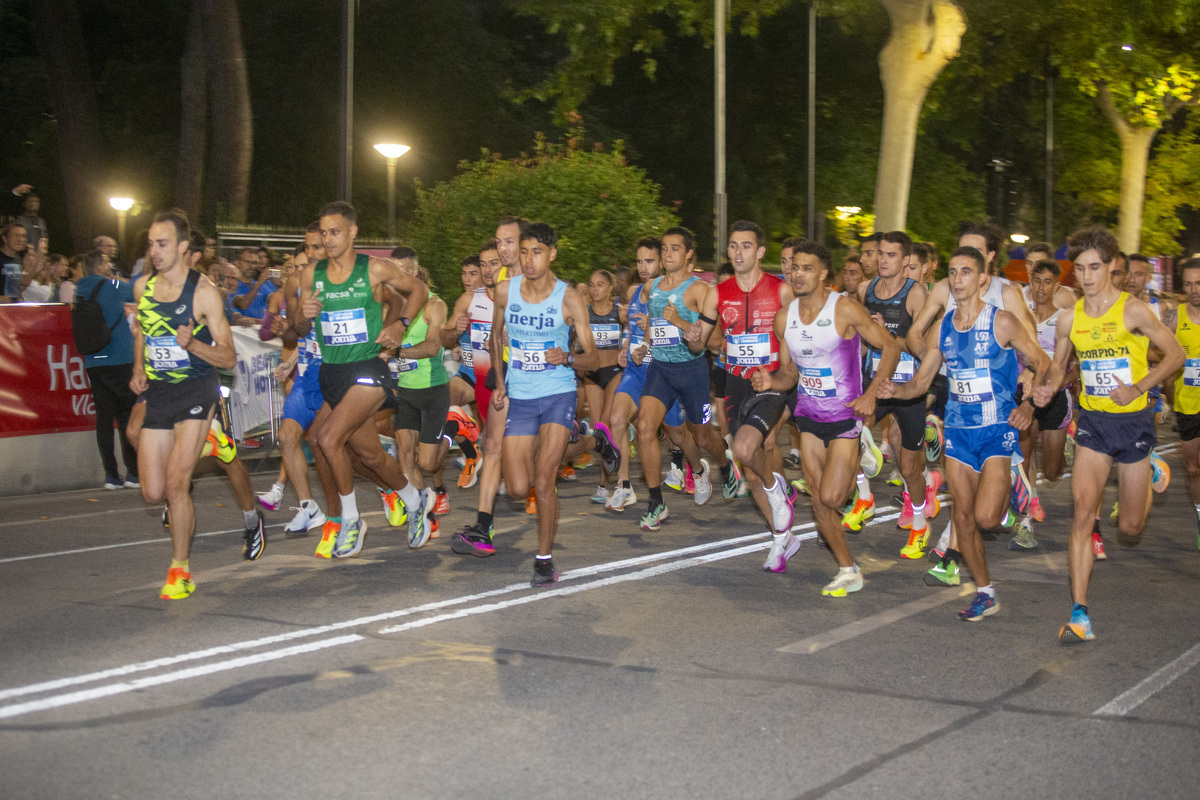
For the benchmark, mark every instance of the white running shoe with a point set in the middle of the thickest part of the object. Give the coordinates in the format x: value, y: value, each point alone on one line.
x: 782, y: 514
x: 871, y: 459
x: 674, y: 478
x: 703, y: 484
x: 273, y: 499
x: 848, y: 579
x: 308, y: 516
x: 783, y: 547
x: 620, y: 499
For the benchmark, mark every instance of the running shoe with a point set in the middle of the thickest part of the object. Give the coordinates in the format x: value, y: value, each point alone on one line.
x: 251, y: 444
x: 870, y: 456
x: 933, y: 482
x: 503, y: 490
x: 1098, y: 546
x: 729, y: 486
x: 944, y: 573
x: 905, y: 520
x: 783, y: 547
x: 329, y: 534
x: 1018, y: 496
x: 442, y: 506
x: 1024, y: 540
x: 895, y: 479
x: 782, y: 513
x: 114, y: 482
x: 470, y: 472
x: 863, y: 510
x: 607, y: 449
x: 654, y: 518
x: 1036, y: 511
x: 166, y: 518
x: 620, y: 499
x: 131, y: 482
x: 350, y: 539
x: 544, y: 572
x: 1114, y: 519
x: 466, y: 426
x: 934, y: 439
x: 791, y: 461
x: 567, y: 473
x: 220, y: 446
x: 179, y: 584
x: 848, y: 506
x: 801, y: 485
x: 1079, y: 629
x: 1160, y: 471
x: 674, y: 479
x: 793, y: 494
x: 255, y: 540
x: 273, y: 499
x: 308, y: 516
x: 689, y: 482
x: 703, y: 484
x: 917, y: 539
x: 601, y: 496
x: 1069, y: 447
x: 848, y: 579
x: 419, y: 528
x: 984, y: 605
x: 583, y: 461
x: 531, y: 503
x: 435, y: 530
x: 393, y: 508
x: 473, y: 541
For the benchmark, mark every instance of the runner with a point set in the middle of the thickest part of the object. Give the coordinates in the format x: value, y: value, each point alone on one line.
x: 354, y: 381
x: 1107, y: 330
x: 1187, y: 383
x: 979, y: 344
x: 535, y: 313
x: 868, y: 257
x: 181, y: 336
x: 824, y: 332
x: 457, y: 332
x: 600, y: 384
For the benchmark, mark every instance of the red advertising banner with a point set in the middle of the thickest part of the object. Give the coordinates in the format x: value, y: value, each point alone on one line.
x: 43, y: 384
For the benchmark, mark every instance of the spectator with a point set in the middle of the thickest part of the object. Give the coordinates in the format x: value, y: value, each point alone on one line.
x: 253, y: 301
x: 35, y: 226
x: 228, y: 284
x: 66, y: 291
x: 11, y: 202
x: 139, y: 264
x: 108, y: 246
x: 12, y: 256
x: 44, y: 279
x: 110, y: 370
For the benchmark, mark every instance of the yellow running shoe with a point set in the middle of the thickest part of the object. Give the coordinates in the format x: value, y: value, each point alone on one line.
x: 394, y: 508
x: 179, y: 584
x: 917, y: 539
x: 863, y: 510
x: 329, y: 533
x: 219, y: 445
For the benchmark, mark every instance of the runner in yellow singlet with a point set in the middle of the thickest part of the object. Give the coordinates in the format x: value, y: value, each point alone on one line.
x: 1187, y: 383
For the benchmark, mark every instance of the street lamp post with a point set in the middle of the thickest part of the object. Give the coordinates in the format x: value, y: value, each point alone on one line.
x: 122, y: 206
x: 392, y: 153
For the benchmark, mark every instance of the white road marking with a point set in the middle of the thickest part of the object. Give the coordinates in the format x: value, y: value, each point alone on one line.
x: 1123, y: 703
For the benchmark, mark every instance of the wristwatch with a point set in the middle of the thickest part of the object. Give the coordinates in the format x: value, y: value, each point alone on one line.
x: 406, y: 322
x: 571, y: 360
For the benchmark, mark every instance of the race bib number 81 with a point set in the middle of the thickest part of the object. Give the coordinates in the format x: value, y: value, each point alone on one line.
x: 971, y: 385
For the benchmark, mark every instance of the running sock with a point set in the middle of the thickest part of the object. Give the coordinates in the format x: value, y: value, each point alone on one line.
x: 1074, y: 608
x: 954, y: 555
x: 409, y: 494
x: 484, y: 520
x: 349, y: 506
x: 795, y: 453
x: 656, y: 496
x: 989, y: 590
x: 542, y: 558
x: 468, y: 449
x: 864, y: 487
x: 309, y: 505
x: 677, y: 458
x: 251, y: 518
x: 440, y: 489
x: 183, y: 565
x: 774, y: 487
x: 726, y: 471
x: 918, y: 520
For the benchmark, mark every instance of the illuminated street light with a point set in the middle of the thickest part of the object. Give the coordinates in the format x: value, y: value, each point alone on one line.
x: 1019, y: 238
x: 392, y: 153
x: 122, y: 206
x: 846, y: 212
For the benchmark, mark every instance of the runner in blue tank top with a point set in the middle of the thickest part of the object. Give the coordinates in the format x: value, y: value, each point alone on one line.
x: 534, y: 315
x: 976, y: 340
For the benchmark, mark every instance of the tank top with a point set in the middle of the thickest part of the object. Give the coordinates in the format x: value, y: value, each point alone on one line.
x: 1047, y: 331
x: 418, y: 373
x: 830, y: 367
x: 351, y: 318
x: 637, y: 334
x: 981, y: 374
x: 532, y: 329
x: 1107, y: 350
x: 748, y: 322
x: 992, y: 296
x: 665, y: 338
x: 163, y: 358
x: 479, y: 326
x: 606, y: 328
x: 1187, y: 385
x: 897, y: 320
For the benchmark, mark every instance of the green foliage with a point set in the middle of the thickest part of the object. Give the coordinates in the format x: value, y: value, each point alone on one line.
x: 597, y: 202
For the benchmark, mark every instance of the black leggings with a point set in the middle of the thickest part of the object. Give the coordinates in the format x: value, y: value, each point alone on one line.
x: 114, y: 402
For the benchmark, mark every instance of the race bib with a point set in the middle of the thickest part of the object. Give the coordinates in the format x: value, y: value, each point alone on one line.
x: 1100, y: 375
x: 529, y: 356
x: 905, y: 370
x: 607, y: 336
x: 634, y: 343
x: 817, y: 382
x: 663, y: 333
x: 748, y: 349
x: 467, y: 355
x: 481, y: 333
x: 344, y: 327
x: 165, y: 353
x: 971, y: 385
x: 1191, y: 372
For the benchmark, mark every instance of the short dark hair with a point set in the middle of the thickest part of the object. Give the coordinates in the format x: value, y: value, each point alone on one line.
x: 901, y: 238
x: 991, y: 234
x: 177, y: 217
x: 744, y: 226
x: 1191, y: 263
x: 791, y: 242
x: 815, y: 249
x: 850, y: 258
x: 404, y: 251
x: 1039, y: 247
x: 1140, y: 257
x: 93, y: 260
x: 923, y: 251
x: 726, y: 268
x: 490, y: 244
x: 297, y: 250
x: 689, y: 240
x: 471, y: 261
x: 520, y: 222
x: 339, y: 207
x: 196, y: 243
x: 1046, y: 265
x: 1099, y: 239
x: 540, y: 232
x: 877, y: 236
x: 650, y: 243
x: 972, y: 253
x: 313, y: 227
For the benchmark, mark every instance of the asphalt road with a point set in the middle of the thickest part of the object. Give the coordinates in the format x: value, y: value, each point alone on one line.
x: 662, y: 665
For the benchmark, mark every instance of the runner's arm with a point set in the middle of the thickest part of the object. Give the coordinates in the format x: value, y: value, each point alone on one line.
x: 450, y: 329
x: 916, y: 339
x: 138, y: 382
x: 858, y: 320
x: 786, y: 375
x: 575, y: 314
x: 209, y: 309
x: 931, y: 362
x: 496, y: 342
x: 1139, y: 317
x: 435, y: 317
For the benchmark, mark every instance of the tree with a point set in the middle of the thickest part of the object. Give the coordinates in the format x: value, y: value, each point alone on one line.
x: 598, y: 204
x: 231, y: 145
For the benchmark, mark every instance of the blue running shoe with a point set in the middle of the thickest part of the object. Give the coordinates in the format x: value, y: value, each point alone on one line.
x: 1079, y: 629
x: 984, y: 605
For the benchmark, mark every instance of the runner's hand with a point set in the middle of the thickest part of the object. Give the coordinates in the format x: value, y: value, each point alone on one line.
x: 311, y: 307
x: 1124, y: 394
x: 623, y: 358
x: 461, y: 325
x: 1042, y: 395
x: 639, y: 355
x: 639, y: 319
x: 1021, y: 416
x: 863, y: 407
x: 138, y: 383
x: 499, y: 395
x: 183, y: 334
x: 556, y: 355
x: 284, y: 369
x: 887, y: 390
x: 760, y: 380
x: 392, y: 336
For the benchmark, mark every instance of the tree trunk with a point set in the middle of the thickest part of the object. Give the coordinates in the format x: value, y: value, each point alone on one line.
x: 73, y: 95
x: 1135, y: 155
x: 924, y: 38
x: 232, y: 127
x: 193, y: 118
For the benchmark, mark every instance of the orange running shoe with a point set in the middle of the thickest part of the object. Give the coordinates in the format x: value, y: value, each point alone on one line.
x: 531, y: 503
x: 329, y: 533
